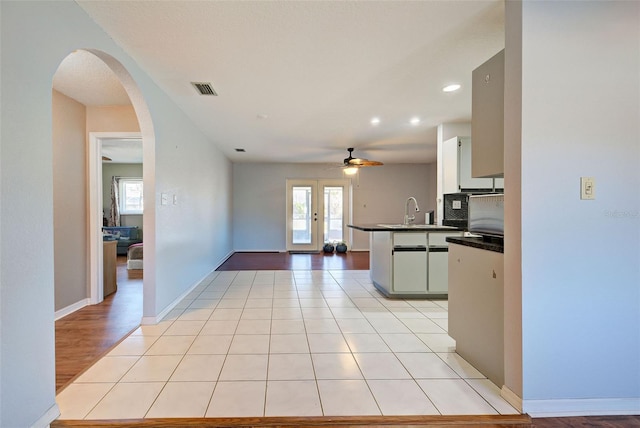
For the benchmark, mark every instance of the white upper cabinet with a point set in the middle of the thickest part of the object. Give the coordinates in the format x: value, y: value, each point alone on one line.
x: 457, y: 163
x: 487, y: 118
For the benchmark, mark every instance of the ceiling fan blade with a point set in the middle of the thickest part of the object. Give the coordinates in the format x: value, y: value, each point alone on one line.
x: 363, y: 162
x: 104, y: 158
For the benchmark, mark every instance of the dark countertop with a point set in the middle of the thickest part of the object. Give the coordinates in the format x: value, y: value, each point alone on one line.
x: 489, y: 244
x: 401, y: 228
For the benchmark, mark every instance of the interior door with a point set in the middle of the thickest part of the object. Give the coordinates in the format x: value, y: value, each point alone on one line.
x: 317, y: 212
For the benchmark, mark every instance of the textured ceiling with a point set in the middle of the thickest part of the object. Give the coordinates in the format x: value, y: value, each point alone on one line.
x: 299, y: 81
x: 87, y: 79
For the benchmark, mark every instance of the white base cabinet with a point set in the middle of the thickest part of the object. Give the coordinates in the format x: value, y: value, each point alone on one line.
x: 438, y: 272
x: 476, y: 308
x: 406, y: 264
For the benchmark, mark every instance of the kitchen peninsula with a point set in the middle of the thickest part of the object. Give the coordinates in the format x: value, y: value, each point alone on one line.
x: 409, y: 261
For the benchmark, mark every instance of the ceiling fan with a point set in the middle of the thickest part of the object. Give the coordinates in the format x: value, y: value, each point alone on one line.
x: 105, y: 158
x: 352, y: 164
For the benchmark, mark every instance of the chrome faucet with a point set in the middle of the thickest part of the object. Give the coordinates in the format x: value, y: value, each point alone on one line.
x: 407, y: 218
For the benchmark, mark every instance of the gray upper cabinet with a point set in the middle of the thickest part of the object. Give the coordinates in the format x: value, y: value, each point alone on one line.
x: 487, y: 118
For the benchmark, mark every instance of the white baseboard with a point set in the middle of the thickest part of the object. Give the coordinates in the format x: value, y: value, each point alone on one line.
x: 511, y: 398
x: 224, y: 259
x: 582, y: 407
x: 172, y: 305
x: 49, y: 416
x: 355, y: 250
x: 71, y: 308
x: 257, y: 251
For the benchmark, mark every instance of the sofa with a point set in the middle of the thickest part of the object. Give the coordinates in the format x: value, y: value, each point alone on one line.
x: 125, y: 235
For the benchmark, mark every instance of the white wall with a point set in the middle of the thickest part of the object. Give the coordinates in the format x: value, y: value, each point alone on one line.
x: 190, y: 238
x: 194, y: 236
x: 580, y: 259
x: 379, y: 195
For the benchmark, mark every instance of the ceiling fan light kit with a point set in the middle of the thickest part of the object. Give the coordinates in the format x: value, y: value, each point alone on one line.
x: 352, y: 170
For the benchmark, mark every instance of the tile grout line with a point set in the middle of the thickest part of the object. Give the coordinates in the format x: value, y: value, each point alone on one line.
x: 311, y: 288
x: 313, y: 366
x: 215, y: 387
x: 358, y: 364
x: 182, y: 357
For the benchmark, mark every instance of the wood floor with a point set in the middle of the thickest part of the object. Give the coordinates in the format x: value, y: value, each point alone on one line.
x: 477, y: 421
x: 358, y: 260
x: 84, y: 336
x: 481, y: 421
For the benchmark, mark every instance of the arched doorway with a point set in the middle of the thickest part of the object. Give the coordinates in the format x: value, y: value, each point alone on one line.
x: 77, y: 221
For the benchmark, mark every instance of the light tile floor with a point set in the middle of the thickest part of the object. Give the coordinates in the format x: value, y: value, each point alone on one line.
x: 286, y: 343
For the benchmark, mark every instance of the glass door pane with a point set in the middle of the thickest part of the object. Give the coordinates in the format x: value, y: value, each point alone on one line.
x: 302, y: 215
x: 307, y: 200
x: 333, y: 214
x: 302, y: 219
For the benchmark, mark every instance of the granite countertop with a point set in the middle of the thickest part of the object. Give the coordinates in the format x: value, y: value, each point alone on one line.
x: 489, y: 244
x: 389, y: 227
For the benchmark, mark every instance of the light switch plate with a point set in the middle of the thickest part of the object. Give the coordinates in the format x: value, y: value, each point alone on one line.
x: 587, y: 188
x: 164, y: 199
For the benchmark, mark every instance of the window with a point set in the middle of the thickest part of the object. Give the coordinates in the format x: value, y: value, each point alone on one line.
x: 131, y: 196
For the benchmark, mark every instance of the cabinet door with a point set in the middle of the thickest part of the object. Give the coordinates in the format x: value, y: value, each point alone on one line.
x: 456, y: 171
x: 465, y: 178
x: 409, y: 271
x: 487, y: 117
x: 450, y: 166
x: 476, y: 308
x: 438, y: 274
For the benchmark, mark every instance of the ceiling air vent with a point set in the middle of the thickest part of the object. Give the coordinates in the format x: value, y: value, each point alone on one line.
x: 204, y: 88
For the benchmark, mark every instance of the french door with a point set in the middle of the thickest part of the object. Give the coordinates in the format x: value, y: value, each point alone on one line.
x: 317, y: 212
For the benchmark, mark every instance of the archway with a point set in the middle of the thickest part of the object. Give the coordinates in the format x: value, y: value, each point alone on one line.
x: 148, y: 154
x: 89, y: 225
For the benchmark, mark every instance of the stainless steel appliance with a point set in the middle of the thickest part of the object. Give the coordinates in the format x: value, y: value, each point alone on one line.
x: 486, y: 215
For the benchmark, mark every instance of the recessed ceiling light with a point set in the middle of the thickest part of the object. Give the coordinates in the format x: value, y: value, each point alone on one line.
x: 415, y: 120
x: 451, y: 88
x: 375, y: 121
x: 262, y: 116
x: 240, y: 150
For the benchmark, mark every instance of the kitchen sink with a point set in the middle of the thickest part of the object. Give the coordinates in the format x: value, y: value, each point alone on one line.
x: 414, y: 226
